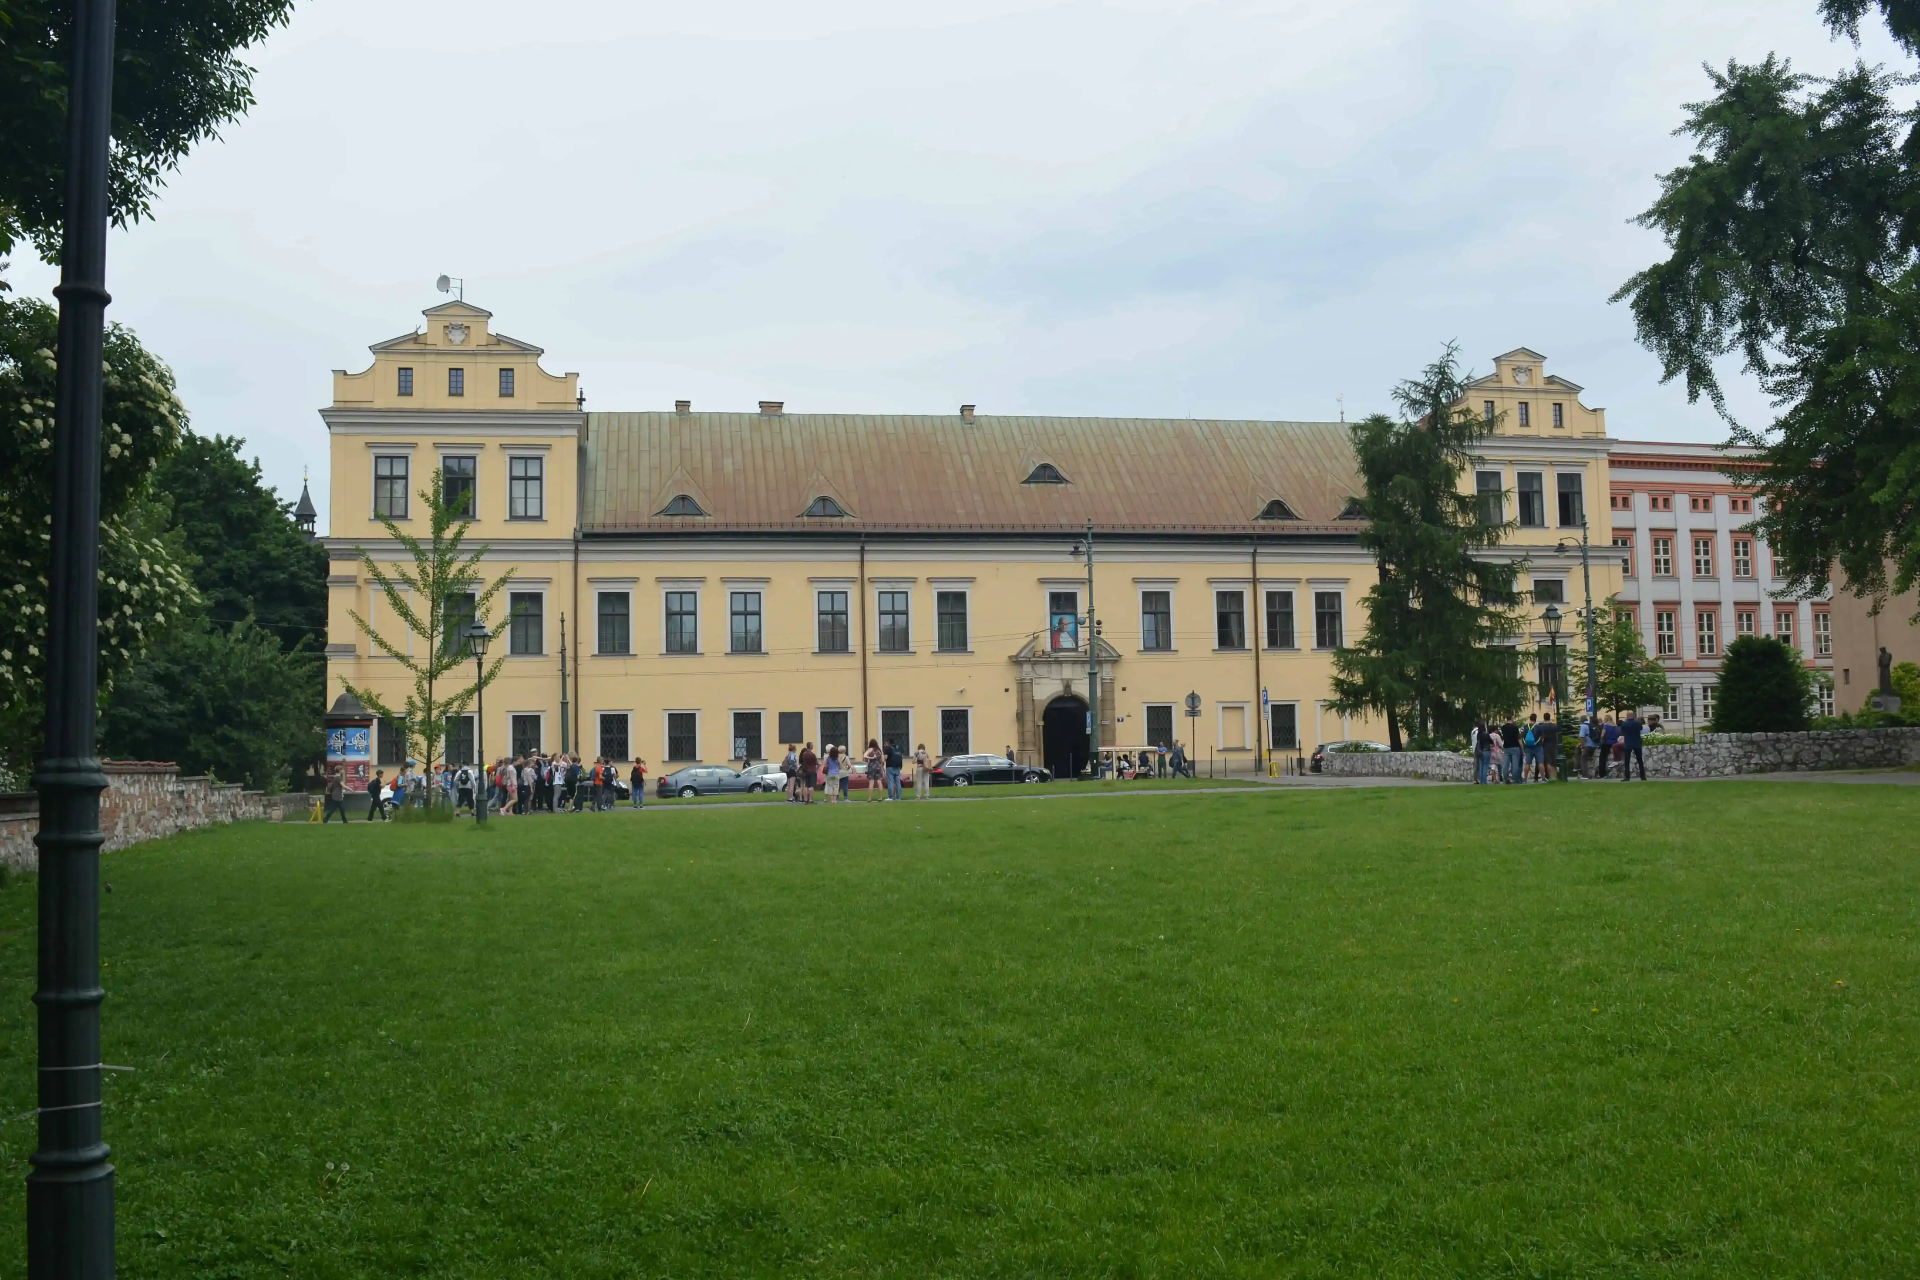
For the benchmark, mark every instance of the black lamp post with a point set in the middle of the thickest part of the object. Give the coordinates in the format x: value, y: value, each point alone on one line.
x: 70, y: 1186
x: 478, y: 638
x: 1093, y: 660
x: 1551, y: 618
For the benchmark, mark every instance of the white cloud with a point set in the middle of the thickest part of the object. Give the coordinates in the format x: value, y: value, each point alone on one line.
x: 1233, y: 209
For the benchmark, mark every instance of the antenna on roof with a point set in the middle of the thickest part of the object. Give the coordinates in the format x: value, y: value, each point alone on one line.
x: 448, y: 284
x: 1342, y: 400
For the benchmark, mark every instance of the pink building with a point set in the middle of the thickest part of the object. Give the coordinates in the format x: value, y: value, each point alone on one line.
x: 1697, y: 577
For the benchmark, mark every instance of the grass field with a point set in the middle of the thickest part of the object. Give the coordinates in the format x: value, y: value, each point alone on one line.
x: 1545, y: 1032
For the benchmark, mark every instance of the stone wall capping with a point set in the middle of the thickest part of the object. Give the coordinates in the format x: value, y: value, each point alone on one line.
x: 1712, y: 755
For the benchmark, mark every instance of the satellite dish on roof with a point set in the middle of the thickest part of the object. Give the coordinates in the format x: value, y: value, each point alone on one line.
x: 443, y: 284
x: 447, y: 284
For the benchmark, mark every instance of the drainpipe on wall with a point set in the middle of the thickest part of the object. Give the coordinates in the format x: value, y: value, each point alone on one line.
x: 577, y: 628
x: 866, y: 724
x: 1258, y: 610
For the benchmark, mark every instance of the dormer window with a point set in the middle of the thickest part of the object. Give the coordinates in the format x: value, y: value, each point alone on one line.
x: 1352, y: 511
x: 682, y: 505
x: 1045, y: 473
x: 825, y: 508
x: 1276, y: 510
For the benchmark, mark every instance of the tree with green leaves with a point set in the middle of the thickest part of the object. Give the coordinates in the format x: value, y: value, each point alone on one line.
x: 176, y: 81
x: 1443, y: 612
x: 435, y: 603
x: 144, y: 588
x: 1765, y: 687
x: 1794, y: 231
x: 1625, y: 676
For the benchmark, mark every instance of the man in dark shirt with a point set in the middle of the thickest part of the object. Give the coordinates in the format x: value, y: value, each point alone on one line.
x: 1630, y: 730
x: 894, y: 762
x: 1549, y: 736
x: 1510, y: 750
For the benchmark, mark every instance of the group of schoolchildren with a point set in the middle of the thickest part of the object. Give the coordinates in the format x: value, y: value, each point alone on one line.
x: 530, y: 784
x: 833, y: 772
x: 1517, y: 753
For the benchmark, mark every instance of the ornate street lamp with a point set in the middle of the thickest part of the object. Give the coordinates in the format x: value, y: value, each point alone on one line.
x: 478, y: 638
x: 1093, y: 660
x: 1551, y: 618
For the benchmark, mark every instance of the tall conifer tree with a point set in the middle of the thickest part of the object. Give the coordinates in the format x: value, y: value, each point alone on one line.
x: 1436, y: 649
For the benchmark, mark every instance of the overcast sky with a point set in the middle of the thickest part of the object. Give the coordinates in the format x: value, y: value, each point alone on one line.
x: 1137, y: 209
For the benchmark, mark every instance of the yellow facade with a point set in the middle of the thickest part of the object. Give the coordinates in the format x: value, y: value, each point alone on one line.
x: 984, y: 682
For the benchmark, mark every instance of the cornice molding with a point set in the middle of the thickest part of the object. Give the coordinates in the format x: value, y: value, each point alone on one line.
x: 480, y: 422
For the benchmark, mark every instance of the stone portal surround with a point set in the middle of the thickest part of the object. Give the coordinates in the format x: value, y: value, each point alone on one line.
x: 143, y: 801
x: 1712, y: 755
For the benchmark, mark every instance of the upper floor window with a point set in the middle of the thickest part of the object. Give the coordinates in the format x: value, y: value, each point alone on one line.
x: 526, y: 629
x: 1660, y: 502
x: 1526, y: 414
x: 683, y: 621
x: 1822, y: 633
x: 950, y: 619
x: 831, y: 621
x: 456, y: 382
x: 743, y: 613
x: 506, y: 384
x: 1573, y: 506
x: 525, y: 499
x: 1549, y: 591
x: 1156, y: 620
x: 895, y: 632
x: 1740, y: 506
x: 1621, y: 501
x: 1488, y: 488
x: 459, y: 616
x: 1533, y: 499
x: 1700, y: 502
x: 1707, y: 632
x: 1663, y: 557
x: 1703, y: 557
x: 1326, y: 620
x: 1666, y: 642
x: 1743, y: 557
x: 1559, y: 414
x: 1486, y: 410
x: 1279, y: 620
x: 1624, y: 541
x: 406, y: 381
x: 456, y: 484
x: 1745, y: 622
x: 1230, y: 619
x: 390, y: 487
x: 615, y: 616
x: 1783, y: 626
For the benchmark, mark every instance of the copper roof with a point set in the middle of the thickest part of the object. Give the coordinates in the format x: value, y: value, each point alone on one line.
x: 760, y: 471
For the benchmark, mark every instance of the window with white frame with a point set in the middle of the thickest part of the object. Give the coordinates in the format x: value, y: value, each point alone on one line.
x: 950, y: 621
x: 683, y: 736
x: 1549, y: 591
x: 1327, y: 629
x: 830, y: 614
x: 615, y: 618
x: 1279, y: 619
x: 956, y: 731
x: 1783, y: 626
x: 743, y: 622
x: 526, y: 495
x: 895, y: 632
x: 1666, y: 640
x: 1706, y: 701
x: 1230, y: 619
x: 1822, y: 633
x: 526, y: 623
x: 1624, y: 542
x: 1824, y: 690
x: 457, y: 474
x: 1533, y: 498
x: 616, y: 738
x: 748, y: 727
x: 1707, y: 632
x: 683, y: 621
x: 390, y: 486
x: 1573, y: 502
x: 523, y: 729
x: 1743, y: 557
x: 459, y: 748
x: 1156, y: 621
x: 1703, y: 557
x: 1663, y: 557
x: 1490, y: 488
x: 1745, y: 622
x: 1283, y: 726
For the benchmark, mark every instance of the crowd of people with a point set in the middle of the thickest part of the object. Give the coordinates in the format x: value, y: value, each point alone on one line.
x: 525, y: 784
x: 837, y: 771
x: 1514, y: 753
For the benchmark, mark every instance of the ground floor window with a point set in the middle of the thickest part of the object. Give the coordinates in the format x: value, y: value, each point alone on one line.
x: 459, y: 749
x: 1673, y: 702
x: 793, y: 727
x: 616, y: 743
x: 525, y: 733
x: 956, y: 731
x: 1825, y: 691
x: 834, y: 730
x: 746, y: 736
x: 683, y: 735
x: 896, y: 729
x: 1160, y: 726
x: 1706, y: 702
x: 1283, y: 726
x: 391, y: 744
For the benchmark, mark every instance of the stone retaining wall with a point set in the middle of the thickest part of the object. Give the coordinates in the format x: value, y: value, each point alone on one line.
x: 1711, y: 755
x: 143, y: 801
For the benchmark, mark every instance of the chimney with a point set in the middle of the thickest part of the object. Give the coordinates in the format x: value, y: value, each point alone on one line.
x: 772, y: 408
x: 683, y: 407
x: 966, y: 413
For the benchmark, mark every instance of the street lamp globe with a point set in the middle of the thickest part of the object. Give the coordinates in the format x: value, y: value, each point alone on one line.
x: 1552, y: 619
x: 478, y: 638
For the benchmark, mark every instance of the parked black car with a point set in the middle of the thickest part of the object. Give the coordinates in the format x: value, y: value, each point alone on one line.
x: 965, y: 771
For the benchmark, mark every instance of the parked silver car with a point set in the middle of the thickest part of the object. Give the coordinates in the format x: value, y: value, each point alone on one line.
x: 718, y: 780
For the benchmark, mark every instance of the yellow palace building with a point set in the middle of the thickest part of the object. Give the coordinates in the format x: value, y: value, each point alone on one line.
x: 698, y: 586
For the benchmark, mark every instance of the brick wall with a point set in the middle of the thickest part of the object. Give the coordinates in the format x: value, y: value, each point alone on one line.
x: 143, y: 801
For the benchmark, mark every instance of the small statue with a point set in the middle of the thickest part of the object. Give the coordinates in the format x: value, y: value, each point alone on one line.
x: 1886, y: 672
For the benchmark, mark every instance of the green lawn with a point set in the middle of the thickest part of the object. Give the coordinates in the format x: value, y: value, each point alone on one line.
x: 1547, y: 1032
